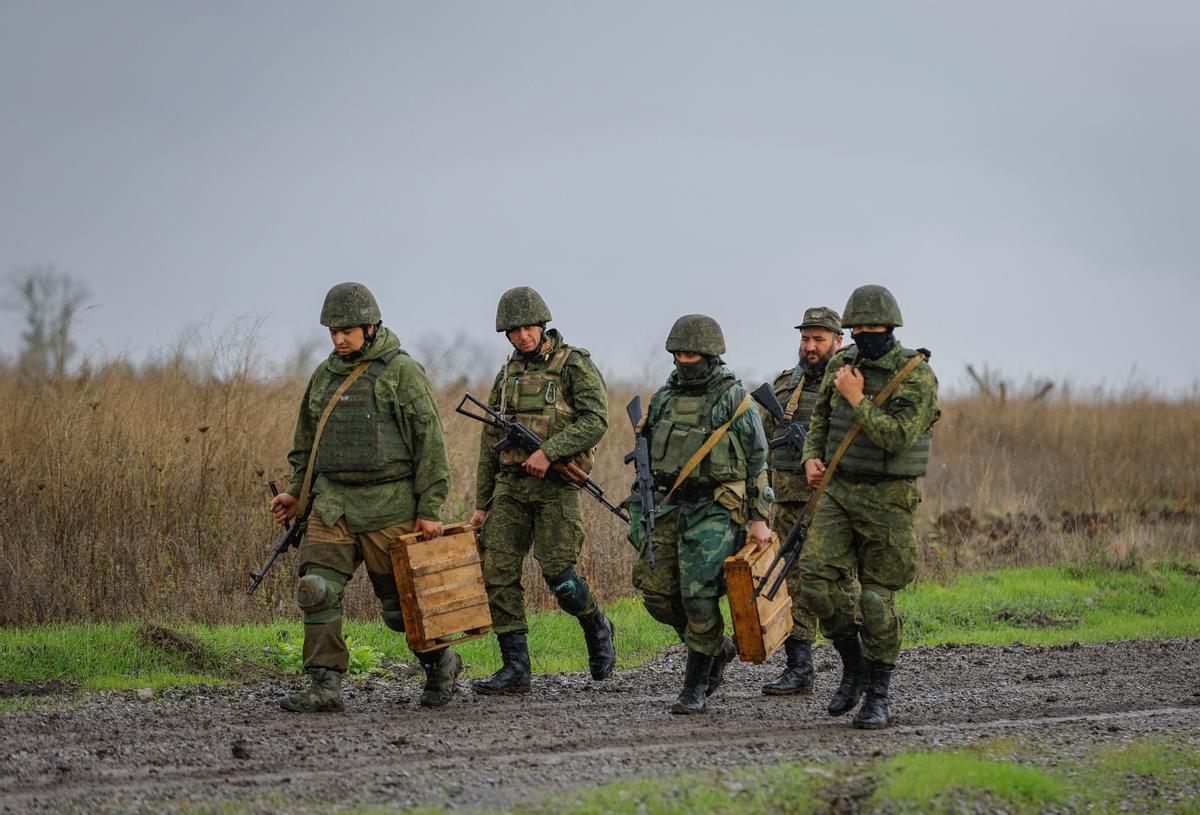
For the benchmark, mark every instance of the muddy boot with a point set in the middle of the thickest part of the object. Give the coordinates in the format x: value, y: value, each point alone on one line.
x: 873, y: 715
x: 442, y: 667
x: 851, y: 688
x: 695, y: 684
x: 598, y: 632
x: 797, y: 677
x: 721, y: 661
x: 324, y: 694
x: 513, y: 676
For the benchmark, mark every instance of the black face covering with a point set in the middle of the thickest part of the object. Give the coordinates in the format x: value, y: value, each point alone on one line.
x: 874, y: 345
x: 693, y: 372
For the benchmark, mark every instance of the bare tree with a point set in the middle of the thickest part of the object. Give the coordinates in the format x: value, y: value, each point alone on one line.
x: 50, y: 301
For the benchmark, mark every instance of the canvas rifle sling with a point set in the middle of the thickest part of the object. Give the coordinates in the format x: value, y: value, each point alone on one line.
x: 793, y: 400
x: 709, y: 444
x: 880, y: 398
x: 358, y: 371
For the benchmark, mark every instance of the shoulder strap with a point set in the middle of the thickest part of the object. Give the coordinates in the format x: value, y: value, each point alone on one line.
x: 358, y: 371
x: 709, y: 444
x: 880, y: 398
x: 793, y: 400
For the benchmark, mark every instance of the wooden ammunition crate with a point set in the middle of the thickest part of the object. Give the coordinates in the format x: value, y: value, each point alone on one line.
x: 760, y: 626
x: 441, y: 588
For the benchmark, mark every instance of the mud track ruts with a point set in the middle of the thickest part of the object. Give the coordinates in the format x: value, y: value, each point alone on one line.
x: 218, y: 745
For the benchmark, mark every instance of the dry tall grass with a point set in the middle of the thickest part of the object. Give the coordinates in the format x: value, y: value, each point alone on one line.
x: 144, y: 495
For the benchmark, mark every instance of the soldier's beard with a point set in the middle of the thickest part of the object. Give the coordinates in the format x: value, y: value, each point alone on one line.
x: 815, y: 370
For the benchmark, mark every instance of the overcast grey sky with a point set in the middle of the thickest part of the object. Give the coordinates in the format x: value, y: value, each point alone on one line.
x: 1024, y: 176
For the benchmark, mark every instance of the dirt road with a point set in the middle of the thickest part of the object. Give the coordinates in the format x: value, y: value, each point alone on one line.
x: 211, y: 745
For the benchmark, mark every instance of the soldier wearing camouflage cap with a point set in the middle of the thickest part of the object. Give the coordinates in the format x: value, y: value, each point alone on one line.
x: 702, y: 499
x: 872, y: 424
x: 796, y: 388
x: 379, y: 471
x: 556, y: 390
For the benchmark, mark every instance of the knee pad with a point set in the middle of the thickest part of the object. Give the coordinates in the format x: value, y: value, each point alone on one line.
x: 816, y: 602
x: 663, y: 609
x: 570, y: 590
x: 875, y: 603
x: 319, y: 595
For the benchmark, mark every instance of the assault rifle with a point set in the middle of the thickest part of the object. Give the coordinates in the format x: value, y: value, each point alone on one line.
x: 640, y: 457
x: 519, y: 436
x: 790, y: 434
x: 290, y: 538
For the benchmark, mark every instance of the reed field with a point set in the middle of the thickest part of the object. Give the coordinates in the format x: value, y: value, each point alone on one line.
x: 132, y: 495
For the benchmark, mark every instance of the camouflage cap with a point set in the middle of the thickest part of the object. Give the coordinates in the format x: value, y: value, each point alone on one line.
x: 697, y: 334
x: 871, y: 305
x: 349, y: 304
x: 521, y: 306
x: 822, y: 317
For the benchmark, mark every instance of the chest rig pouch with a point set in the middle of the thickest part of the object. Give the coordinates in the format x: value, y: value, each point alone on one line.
x: 533, y: 394
x: 683, y: 424
x: 361, y: 444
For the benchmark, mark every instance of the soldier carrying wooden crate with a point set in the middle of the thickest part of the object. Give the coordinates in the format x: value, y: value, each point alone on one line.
x: 369, y: 460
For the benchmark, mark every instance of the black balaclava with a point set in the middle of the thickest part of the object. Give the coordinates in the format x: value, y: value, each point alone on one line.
x: 873, y: 345
x: 693, y: 373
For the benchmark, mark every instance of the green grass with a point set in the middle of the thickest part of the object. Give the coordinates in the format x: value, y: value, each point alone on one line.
x: 937, y: 781
x: 1046, y: 606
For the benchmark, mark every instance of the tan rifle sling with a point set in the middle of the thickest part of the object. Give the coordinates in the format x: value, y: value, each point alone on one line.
x: 306, y: 485
x: 706, y: 448
x: 880, y: 398
x: 793, y: 400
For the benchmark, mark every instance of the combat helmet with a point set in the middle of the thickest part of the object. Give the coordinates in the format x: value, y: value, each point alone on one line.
x: 698, y: 334
x: 349, y: 304
x: 521, y: 306
x: 871, y: 305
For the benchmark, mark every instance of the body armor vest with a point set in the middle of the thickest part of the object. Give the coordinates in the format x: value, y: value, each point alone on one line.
x: 782, y: 458
x: 360, y: 445
x: 533, y: 394
x: 863, y: 456
x: 680, y: 428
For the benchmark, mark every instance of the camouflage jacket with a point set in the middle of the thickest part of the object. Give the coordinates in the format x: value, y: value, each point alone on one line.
x: 584, y: 390
x: 789, y: 484
x: 403, y: 392
x: 904, y: 418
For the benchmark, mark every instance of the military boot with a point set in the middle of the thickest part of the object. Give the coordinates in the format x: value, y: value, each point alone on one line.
x: 851, y: 688
x: 873, y: 715
x: 324, y: 694
x: 695, y: 684
x: 513, y: 676
x: 442, y: 667
x: 797, y: 676
x: 598, y: 632
x: 716, y: 674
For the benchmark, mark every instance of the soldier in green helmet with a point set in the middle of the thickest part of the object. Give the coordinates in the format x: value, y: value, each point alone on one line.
x: 797, y: 388
x: 708, y: 456
x: 864, y: 521
x: 379, y: 471
x: 556, y: 390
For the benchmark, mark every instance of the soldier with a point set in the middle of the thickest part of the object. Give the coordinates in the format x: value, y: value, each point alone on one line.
x: 820, y: 339
x: 708, y: 455
x: 380, y: 471
x: 864, y: 522
x: 554, y: 389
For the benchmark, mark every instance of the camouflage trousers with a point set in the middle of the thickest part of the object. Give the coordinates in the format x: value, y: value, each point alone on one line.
x: 329, y: 556
x: 804, y: 624
x: 867, y: 529
x: 683, y: 590
x: 539, y: 514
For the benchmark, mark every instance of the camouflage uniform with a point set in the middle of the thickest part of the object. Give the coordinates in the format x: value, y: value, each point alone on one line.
x: 380, y: 465
x: 702, y: 522
x: 557, y: 392
x: 864, y: 522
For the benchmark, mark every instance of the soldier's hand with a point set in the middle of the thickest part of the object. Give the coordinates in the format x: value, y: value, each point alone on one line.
x: 849, y: 382
x: 759, y: 533
x: 284, y: 507
x: 537, y: 464
x: 429, y: 529
x: 814, y: 469
x: 478, y: 517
